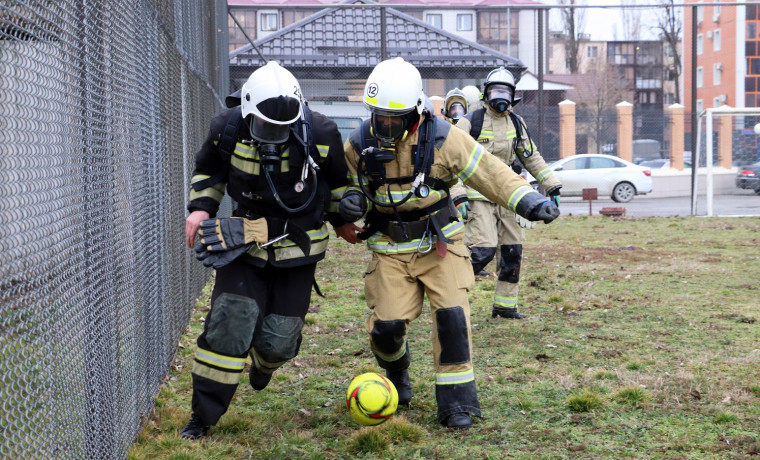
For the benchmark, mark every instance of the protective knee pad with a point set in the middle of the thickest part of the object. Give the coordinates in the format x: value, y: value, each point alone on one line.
x: 388, y: 336
x: 511, y: 258
x: 481, y: 257
x: 452, y: 336
x: 279, y: 338
x: 231, y: 324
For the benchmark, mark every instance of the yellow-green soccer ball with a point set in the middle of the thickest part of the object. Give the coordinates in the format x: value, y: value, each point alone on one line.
x: 371, y: 399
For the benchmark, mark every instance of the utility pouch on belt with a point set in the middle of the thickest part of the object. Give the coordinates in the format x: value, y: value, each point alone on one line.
x: 403, y: 231
x: 279, y: 229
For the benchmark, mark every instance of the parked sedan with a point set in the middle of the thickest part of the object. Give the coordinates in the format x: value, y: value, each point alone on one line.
x: 749, y: 177
x: 611, y: 176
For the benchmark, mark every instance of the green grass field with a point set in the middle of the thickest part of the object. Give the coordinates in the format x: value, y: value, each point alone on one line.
x: 643, y: 341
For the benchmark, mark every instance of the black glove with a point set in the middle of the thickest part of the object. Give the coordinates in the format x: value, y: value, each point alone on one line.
x: 218, y: 259
x: 546, y: 211
x: 554, y: 195
x: 352, y: 206
x: 223, y: 240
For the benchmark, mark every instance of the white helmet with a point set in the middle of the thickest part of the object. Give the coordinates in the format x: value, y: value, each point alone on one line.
x: 499, y: 89
x: 473, y: 96
x: 271, y: 101
x: 394, y: 93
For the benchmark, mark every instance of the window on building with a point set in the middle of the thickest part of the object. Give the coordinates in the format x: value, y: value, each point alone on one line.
x: 716, y: 11
x: 699, y: 77
x: 717, y: 70
x: 464, y: 22
x: 592, y: 51
x: 669, y: 98
x: 751, y: 30
x: 435, y: 20
x: 716, y: 40
x: 268, y: 22
x: 700, y: 14
x: 700, y: 105
x: 247, y: 19
x: 699, y: 44
x: 500, y: 31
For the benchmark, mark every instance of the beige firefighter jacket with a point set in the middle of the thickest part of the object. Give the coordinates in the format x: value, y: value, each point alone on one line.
x: 456, y: 156
x: 497, y: 136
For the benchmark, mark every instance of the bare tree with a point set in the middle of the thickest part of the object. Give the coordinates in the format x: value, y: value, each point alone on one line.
x: 670, y: 26
x: 572, y: 24
x: 598, y: 93
x: 631, y: 21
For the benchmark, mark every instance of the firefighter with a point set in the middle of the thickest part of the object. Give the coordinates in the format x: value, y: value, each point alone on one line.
x: 454, y: 106
x: 284, y: 167
x: 402, y: 161
x: 503, y: 133
x: 473, y: 97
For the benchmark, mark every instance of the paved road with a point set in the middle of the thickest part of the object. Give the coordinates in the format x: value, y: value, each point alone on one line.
x: 735, y: 203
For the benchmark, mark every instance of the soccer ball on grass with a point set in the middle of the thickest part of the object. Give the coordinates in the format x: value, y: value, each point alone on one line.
x: 371, y: 399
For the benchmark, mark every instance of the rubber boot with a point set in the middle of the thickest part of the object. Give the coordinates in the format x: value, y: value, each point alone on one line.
x: 259, y: 380
x: 504, y: 312
x: 400, y: 380
x: 458, y: 421
x: 194, y: 429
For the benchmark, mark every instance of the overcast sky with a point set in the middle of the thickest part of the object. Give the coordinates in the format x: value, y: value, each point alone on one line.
x: 610, y: 23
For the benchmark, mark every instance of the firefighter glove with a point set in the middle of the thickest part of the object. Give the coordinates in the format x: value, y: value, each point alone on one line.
x: 463, y: 205
x: 554, y: 195
x: 218, y: 259
x: 546, y: 211
x: 223, y: 240
x: 523, y: 222
x: 352, y: 206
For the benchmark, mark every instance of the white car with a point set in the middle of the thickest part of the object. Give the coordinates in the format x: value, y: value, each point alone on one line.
x: 611, y: 176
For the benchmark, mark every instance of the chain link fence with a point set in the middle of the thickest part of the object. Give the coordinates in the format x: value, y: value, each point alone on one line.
x: 102, y: 106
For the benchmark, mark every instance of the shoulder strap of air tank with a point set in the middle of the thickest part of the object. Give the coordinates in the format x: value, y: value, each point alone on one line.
x: 476, y: 122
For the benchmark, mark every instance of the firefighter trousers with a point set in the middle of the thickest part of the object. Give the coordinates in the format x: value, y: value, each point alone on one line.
x: 395, y: 285
x: 256, y: 311
x: 489, y: 227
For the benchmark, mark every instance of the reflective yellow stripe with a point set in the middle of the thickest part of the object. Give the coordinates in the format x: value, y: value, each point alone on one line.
x: 229, y: 378
x: 390, y: 358
x: 376, y: 244
x: 216, y: 193
x: 248, y: 167
x: 323, y: 149
x: 454, y: 378
x: 472, y: 165
x: 198, y: 178
x: 226, y: 362
x: 517, y: 195
x: 502, y: 301
x: 337, y: 193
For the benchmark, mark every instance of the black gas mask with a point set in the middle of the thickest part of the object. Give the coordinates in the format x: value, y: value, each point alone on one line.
x: 269, y: 156
x: 500, y: 97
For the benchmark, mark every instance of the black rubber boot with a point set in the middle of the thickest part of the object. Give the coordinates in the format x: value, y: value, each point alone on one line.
x: 458, y: 421
x: 400, y: 380
x: 510, y: 313
x: 258, y: 380
x: 194, y: 429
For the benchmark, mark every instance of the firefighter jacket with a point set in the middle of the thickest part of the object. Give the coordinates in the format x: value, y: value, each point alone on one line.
x: 456, y: 156
x: 499, y: 136
x: 233, y: 162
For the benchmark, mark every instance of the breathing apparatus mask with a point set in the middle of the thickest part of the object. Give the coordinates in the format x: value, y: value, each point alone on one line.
x: 456, y: 111
x: 389, y: 127
x: 500, y: 97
